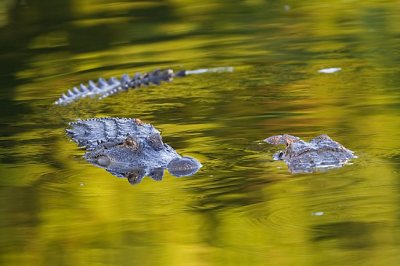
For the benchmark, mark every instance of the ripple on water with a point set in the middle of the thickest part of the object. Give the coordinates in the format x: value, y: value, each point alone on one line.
x: 306, y: 203
x: 62, y: 181
x: 293, y: 195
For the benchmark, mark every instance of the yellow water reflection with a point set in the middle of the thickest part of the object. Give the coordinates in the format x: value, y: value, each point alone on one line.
x: 241, y: 208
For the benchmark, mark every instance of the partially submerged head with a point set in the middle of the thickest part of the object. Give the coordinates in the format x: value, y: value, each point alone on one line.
x: 320, y: 152
x: 128, y: 159
x: 281, y: 139
x: 284, y: 139
x: 129, y: 148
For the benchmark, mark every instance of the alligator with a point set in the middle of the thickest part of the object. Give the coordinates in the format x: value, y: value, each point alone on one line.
x: 319, y: 153
x: 104, y: 88
x: 129, y: 148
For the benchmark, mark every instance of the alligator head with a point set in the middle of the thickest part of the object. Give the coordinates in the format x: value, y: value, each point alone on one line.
x: 129, y: 148
x: 319, y: 153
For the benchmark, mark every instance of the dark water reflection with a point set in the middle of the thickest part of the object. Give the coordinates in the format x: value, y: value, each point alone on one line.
x: 241, y: 208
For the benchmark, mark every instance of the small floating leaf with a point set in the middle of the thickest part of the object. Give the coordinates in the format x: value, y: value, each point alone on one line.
x: 330, y: 70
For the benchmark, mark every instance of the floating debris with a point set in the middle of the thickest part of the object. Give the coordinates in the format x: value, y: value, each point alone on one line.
x: 209, y: 70
x: 330, y: 70
x: 317, y: 213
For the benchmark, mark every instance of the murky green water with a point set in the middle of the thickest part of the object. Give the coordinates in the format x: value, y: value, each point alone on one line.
x: 241, y: 208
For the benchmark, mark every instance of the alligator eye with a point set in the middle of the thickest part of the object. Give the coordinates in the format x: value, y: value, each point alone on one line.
x: 156, y: 142
x: 280, y: 155
x: 131, y: 143
x: 103, y: 160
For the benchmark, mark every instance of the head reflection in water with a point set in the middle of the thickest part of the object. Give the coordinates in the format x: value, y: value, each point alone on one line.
x: 126, y: 159
x: 179, y: 167
x: 123, y: 160
x: 184, y: 166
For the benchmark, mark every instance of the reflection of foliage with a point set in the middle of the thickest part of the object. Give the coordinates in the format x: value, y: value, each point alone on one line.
x: 238, y: 211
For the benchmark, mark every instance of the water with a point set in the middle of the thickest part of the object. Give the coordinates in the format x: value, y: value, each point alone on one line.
x: 241, y: 208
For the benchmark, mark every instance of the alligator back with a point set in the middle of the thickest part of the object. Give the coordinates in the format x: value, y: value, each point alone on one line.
x: 92, y: 132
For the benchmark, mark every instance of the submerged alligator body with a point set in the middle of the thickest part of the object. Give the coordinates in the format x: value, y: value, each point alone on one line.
x: 304, y: 157
x: 129, y: 148
x: 104, y: 88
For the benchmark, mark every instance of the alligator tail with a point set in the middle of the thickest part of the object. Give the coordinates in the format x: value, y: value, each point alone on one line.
x: 104, y: 88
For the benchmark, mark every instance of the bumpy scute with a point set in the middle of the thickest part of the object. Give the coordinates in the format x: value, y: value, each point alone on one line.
x: 156, y: 142
x: 104, y: 88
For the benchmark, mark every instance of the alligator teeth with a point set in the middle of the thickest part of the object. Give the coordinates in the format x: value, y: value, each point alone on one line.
x: 70, y: 93
x: 75, y: 89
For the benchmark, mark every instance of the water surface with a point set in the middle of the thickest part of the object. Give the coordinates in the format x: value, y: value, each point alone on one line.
x: 241, y: 208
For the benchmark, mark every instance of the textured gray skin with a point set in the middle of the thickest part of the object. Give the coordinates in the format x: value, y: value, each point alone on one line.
x: 104, y: 88
x: 129, y: 148
x: 303, y: 157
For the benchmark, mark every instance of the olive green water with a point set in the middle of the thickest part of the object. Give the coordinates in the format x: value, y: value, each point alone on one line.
x: 241, y: 208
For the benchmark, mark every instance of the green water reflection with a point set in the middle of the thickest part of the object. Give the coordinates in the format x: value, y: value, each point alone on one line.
x: 241, y: 208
